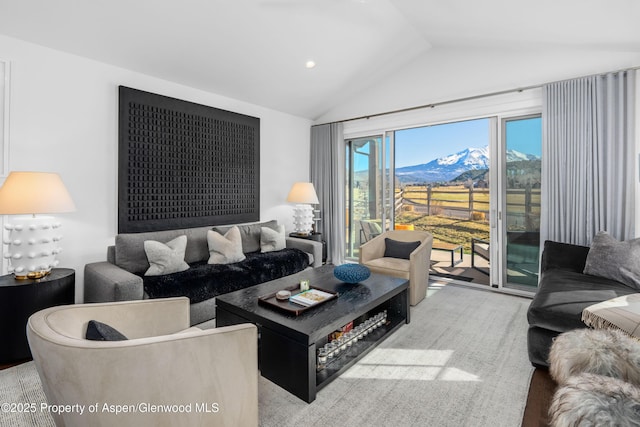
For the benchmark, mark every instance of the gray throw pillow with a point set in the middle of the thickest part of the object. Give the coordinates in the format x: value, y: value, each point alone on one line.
x: 614, y: 260
x: 166, y: 258
x: 397, y: 249
x: 250, y: 234
x: 225, y: 249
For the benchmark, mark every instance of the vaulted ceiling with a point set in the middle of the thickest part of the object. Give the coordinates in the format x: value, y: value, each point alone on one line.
x: 402, y: 51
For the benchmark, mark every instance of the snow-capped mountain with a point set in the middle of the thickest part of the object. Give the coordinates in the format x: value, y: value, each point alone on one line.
x: 516, y: 156
x: 445, y: 168
x: 449, y: 167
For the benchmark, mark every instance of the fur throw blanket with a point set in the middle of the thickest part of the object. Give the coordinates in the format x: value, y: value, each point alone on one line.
x: 597, y: 351
x: 595, y: 400
x: 204, y: 281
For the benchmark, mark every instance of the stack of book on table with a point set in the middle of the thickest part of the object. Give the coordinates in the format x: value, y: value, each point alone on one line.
x: 311, y: 297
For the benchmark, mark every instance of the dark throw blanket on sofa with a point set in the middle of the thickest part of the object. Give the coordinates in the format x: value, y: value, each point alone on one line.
x: 204, y: 281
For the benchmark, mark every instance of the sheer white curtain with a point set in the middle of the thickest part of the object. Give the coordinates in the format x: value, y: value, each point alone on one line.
x: 328, y: 157
x: 588, y: 154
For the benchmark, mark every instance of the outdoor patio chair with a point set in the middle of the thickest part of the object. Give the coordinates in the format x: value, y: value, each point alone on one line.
x: 369, y: 230
x: 480, y: 247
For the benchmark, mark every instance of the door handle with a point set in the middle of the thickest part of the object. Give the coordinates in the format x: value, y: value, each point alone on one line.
x: 494, y: 224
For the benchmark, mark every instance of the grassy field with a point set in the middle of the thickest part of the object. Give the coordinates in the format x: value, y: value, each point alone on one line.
x: 447, y: 229
x: 460, y: 231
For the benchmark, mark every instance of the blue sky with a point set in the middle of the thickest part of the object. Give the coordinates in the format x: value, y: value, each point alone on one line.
x: 525, y: 136
x: 421, y: 145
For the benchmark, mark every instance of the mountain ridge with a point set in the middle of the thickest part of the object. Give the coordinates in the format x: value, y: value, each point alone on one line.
x: 449, y: 167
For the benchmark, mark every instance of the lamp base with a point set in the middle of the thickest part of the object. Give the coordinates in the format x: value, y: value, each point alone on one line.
x: 32, y: 246
x: 303, y: 219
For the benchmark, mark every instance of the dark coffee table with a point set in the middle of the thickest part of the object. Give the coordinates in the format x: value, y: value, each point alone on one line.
x: 287, y: 343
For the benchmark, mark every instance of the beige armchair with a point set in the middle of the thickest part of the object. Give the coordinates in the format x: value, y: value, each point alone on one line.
x: 415, y: 269
x: 207, y: 377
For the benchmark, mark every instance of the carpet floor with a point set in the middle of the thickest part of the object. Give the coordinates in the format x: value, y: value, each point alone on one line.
x: 462, y: 361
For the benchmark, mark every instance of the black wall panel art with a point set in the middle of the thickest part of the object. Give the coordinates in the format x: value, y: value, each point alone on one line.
x: 184, y: 165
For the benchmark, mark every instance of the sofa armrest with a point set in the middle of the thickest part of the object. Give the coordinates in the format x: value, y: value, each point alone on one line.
x: 309, y: 246
x: 104, y: 282
x: 135, y: 319
x: 564, y: 256
x: 422, y: 254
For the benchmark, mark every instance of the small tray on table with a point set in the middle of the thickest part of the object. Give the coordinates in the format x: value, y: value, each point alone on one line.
x: 291, y: 307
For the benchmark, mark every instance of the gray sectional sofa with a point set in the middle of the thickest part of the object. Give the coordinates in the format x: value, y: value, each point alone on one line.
x: 121, y: 277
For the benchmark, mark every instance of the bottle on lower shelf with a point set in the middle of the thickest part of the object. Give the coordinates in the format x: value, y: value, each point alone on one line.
x: 339, y: 343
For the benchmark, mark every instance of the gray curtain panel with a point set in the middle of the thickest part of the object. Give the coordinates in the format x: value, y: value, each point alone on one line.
x: 328, y: 157
x: 588, y: 158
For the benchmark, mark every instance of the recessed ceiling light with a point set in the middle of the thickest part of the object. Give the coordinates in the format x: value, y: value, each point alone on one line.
x: 310, y: 64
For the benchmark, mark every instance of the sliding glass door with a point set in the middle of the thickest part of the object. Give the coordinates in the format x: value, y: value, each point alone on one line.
x: 521, y: 221
x: 475, y: 185
x: 367, y: 183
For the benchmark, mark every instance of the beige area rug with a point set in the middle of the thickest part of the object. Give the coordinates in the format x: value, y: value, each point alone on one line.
x: 462, y: 361
x: 21, y: 385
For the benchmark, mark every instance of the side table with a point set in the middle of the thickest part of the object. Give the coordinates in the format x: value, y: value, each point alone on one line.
x: 19, y: 299
x: 318, y: 238
x: 452, y: 248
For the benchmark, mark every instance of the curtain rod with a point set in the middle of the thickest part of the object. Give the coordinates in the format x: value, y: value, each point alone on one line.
x: 468, y: 98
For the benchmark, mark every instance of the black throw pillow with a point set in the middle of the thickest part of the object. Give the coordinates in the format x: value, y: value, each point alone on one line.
x: 98, y: 331
x: 396, y: 249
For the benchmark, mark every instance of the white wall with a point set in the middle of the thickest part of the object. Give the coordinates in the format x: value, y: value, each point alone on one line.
x: 462, y: 73
x: 64, y: 118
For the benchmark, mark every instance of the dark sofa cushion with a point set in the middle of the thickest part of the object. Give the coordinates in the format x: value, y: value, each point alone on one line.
x: 563, y: 294
x: 204, y: 281
x: 98, y: 331
x: 397, y: 249
x: 564, y: 256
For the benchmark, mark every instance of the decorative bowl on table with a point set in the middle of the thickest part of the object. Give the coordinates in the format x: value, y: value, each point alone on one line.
x: 351, y: 273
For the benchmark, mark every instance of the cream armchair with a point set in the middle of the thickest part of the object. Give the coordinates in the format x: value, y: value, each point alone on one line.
x: 206, y: 377
x: 415, y: 269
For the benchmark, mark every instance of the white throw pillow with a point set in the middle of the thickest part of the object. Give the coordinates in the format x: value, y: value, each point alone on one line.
x: 272, y: 240
x: 166, y: 258
x: 225, y: 249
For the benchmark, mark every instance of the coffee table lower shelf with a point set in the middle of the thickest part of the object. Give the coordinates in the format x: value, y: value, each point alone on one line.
x: 292, y: 365
x: 360, y: 349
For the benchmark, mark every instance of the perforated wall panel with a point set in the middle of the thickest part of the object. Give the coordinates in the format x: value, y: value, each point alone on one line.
x: 184, y: 165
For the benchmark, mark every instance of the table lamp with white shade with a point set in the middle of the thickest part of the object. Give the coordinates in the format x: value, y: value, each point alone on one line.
x: 33, y: 241
x: 304, y: 195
